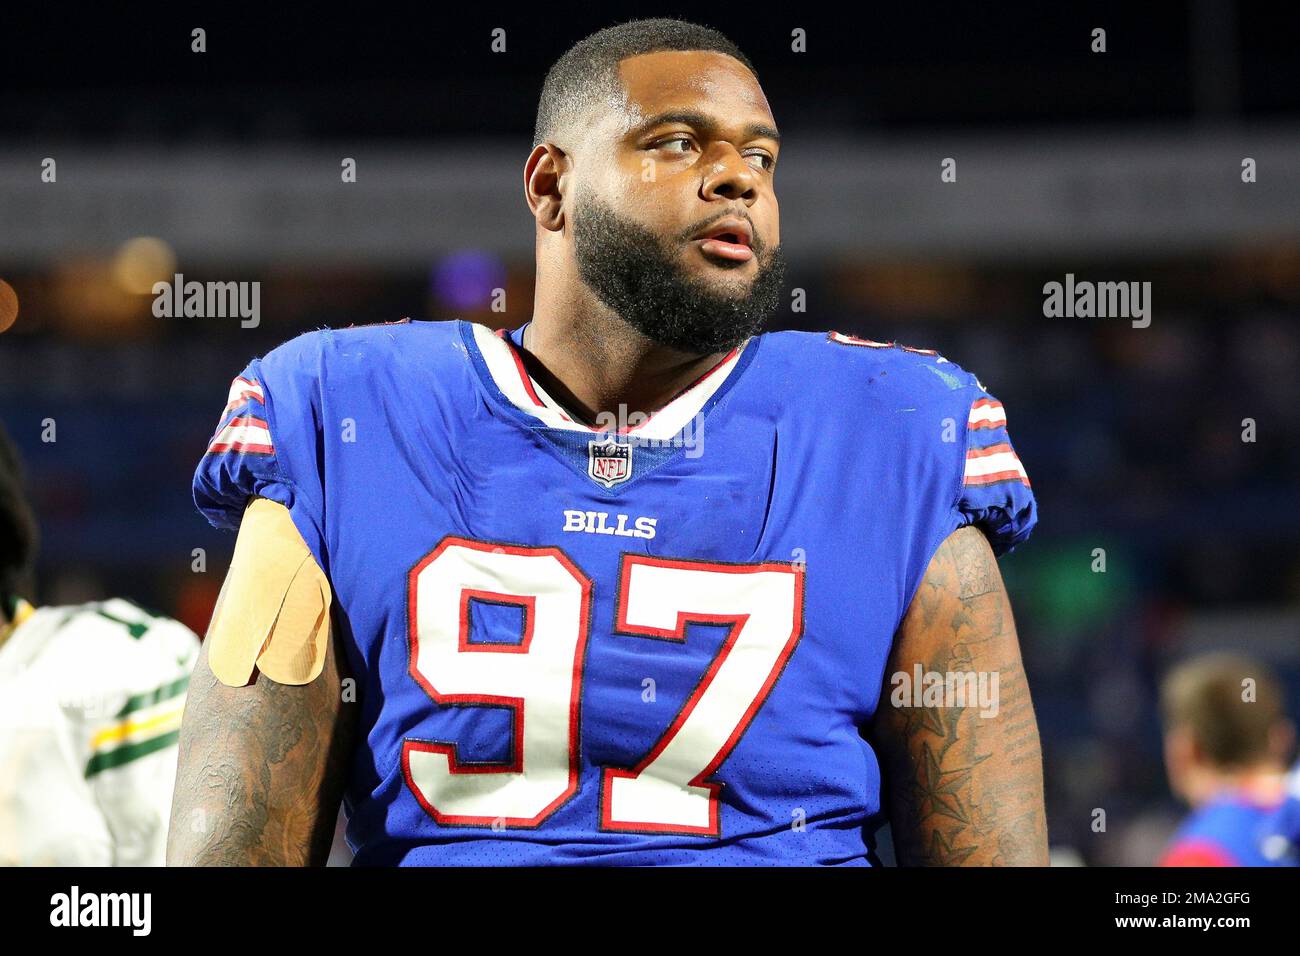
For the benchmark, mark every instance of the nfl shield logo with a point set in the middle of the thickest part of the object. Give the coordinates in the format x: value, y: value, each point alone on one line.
x: 608, y: 462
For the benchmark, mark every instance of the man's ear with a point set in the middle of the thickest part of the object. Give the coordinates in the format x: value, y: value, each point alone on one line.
x: 1179, y: 757
x: 1281, y: 741
x: 545, y: 175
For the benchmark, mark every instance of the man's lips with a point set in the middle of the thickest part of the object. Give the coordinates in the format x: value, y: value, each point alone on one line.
x: 729, y: 238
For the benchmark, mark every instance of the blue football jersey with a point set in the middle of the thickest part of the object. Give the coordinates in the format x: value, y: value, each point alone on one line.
x: 1281, y: 840
x: 658, y: 643
x: 1234, y: 828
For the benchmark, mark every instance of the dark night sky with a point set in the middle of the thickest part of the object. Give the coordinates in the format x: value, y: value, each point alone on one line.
x: 427, y: 73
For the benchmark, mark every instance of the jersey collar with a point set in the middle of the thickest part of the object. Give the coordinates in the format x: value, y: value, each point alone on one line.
x: 506, y: 368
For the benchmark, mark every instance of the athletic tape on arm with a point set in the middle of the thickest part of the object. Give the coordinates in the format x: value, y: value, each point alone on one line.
x: 273, y: 612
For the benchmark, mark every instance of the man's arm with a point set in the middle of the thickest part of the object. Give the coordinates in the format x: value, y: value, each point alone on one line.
x: 963, y: 789
x: 261, y: 770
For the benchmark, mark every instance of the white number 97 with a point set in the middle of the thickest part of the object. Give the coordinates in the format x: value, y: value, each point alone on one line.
x: 540, y: 680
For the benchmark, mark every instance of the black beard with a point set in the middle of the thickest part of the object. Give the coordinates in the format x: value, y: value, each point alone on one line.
x: 639, y: 276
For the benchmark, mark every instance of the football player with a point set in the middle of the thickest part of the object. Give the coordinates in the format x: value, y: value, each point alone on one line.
x: 1227, y: 738
x: 632, y: 583
x: 90, y: 711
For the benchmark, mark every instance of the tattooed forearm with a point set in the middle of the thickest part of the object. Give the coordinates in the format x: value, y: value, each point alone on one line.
x: 261, y: 771
x: 964, y: 779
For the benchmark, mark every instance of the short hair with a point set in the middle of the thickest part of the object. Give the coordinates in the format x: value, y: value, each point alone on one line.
x: 1204, y: 695
x: 17, y: 524
x: 588, y: 71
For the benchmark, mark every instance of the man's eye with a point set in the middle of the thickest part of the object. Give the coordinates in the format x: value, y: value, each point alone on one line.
x: 765, y: 161
x: 665, y: 144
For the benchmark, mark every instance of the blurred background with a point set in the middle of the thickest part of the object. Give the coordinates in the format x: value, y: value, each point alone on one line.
x: 1123, y: 165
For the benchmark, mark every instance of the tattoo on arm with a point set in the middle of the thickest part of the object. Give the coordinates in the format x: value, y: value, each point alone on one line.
x: 965, y: 784
x: 261, y: 770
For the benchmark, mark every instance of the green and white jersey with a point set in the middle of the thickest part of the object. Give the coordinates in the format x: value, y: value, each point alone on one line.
x: 90, y: 712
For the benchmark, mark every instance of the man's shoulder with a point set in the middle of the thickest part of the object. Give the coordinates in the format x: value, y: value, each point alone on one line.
x: 103, y: 652
x: 840, y: 370
x: 112, y: 628
x: 1226, y: 824
x: 371, y: 344
x: 332, y: 360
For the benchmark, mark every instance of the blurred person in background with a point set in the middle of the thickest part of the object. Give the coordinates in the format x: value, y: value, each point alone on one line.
x: 1282, y: 828
x: 90, y: 706
x: 1227, y: 739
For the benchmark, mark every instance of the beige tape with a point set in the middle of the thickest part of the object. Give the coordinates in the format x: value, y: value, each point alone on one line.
x: 273, y: 612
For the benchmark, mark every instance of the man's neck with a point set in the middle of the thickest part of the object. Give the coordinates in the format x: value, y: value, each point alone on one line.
x: 1263, y: 783
x: 592, y: 363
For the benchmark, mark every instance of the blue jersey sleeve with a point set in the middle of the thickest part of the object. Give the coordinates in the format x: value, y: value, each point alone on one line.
x: 266, y: 443
x: 995, y: 494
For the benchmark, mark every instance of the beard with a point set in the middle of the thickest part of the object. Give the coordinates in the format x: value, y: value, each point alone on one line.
x: 640, y: 276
